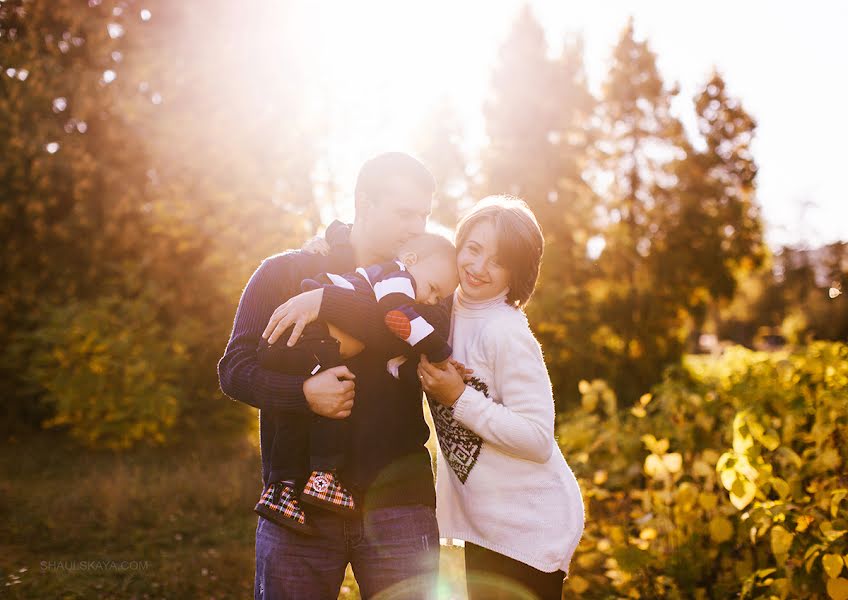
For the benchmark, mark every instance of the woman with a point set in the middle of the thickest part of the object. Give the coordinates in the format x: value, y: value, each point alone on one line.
x: 503, y: 485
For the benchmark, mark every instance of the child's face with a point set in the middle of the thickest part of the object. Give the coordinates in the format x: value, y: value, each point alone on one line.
x: 435, y: 278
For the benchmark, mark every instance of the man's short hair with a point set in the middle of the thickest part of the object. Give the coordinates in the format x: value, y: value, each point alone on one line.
x: 429, y: 244
x: 393, y: 165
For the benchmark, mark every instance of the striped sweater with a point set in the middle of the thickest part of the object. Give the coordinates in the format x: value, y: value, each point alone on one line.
x: 394, y: 289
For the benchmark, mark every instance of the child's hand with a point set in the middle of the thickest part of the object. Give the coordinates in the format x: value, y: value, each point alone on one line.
x: 464, y: 371
x: 445, y: 386
x: 316, y: 245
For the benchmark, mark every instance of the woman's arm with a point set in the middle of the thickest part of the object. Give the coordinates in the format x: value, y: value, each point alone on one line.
x: 523, y: 425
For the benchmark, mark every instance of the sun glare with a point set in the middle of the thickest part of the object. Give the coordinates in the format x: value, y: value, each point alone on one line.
x: 385, y: 68
x: 372, y: 72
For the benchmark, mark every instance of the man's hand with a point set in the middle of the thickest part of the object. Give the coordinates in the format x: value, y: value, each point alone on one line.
x: 301, y: 311
x: 445, y: 386
x: 330, y: 393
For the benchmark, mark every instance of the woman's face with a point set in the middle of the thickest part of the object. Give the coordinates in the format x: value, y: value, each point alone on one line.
x: 481, y: 274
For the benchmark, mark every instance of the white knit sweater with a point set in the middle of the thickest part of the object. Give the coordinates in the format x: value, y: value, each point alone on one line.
x: 502, y: 482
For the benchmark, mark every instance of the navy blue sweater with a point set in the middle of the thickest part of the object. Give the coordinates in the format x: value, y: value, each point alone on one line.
x: 387, y: 462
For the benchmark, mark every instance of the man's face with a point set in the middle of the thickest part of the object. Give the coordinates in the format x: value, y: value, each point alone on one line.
x: 393, y: 214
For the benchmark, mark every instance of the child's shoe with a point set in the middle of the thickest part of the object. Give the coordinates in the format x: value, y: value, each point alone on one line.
x: 279, y: 504
x: 325, y: 490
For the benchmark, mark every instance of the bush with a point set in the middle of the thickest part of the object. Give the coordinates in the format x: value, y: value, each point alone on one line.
x: 728, y: 480
x: 110, y: 370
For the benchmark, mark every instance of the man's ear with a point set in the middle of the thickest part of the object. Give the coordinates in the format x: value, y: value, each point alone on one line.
x: 408, y: 258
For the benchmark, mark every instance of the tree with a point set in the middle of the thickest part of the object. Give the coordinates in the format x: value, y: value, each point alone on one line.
x: 713, y: 231
x: 798, y: 293
x: 437, y: 142
x: 83, y: 220
x: 233, y: 126
x: 71, y: 181
x: 537, y: 119
x: 638, y: 138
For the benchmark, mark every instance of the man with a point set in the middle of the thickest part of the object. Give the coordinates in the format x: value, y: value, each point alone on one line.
x: 393, y: 542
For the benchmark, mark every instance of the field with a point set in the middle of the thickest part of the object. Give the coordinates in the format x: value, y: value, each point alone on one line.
x: 149, y: 523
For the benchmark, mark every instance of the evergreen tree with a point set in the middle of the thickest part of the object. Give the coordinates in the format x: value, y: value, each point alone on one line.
x: 437, y: 143
x: 563, y: 310
x: 798, y: 293
x: 521, y: 116
x: 537, y: 119
x: 637, y: 138
x: 712, y: 230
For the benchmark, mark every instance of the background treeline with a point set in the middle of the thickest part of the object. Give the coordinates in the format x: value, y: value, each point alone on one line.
x: 145, y: 172
x: 139, y: 192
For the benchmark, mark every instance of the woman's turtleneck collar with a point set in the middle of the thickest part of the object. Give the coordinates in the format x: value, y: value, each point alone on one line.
x: 464, y: 303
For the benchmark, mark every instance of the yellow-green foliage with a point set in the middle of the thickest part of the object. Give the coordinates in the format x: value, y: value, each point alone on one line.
x: 728, y: 481
x: 111, y: 370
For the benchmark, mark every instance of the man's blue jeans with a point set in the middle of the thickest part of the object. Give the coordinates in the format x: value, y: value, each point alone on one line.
x: 393, y: 551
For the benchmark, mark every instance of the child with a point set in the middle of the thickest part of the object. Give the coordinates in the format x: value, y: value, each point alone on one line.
x: 424, y: 272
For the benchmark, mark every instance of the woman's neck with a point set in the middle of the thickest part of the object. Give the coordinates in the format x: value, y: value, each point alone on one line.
x: 464, y: 301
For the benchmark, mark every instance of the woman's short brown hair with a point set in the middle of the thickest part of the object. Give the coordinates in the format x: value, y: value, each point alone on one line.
x: 520, y: 241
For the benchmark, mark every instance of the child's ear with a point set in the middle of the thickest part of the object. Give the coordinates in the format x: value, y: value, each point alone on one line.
x: 408, y: 258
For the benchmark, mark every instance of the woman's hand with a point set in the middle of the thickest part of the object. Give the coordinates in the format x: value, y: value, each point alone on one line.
x: 446, y: 386
x: 316, y: 245
x: 300, y: 310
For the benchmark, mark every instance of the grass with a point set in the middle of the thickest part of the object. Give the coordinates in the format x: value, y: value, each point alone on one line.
x: 167, y: 522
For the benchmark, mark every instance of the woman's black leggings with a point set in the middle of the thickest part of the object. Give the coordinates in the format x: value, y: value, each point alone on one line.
x: 493, y: 576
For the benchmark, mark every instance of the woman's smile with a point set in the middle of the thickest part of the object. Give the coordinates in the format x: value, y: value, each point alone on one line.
x: 474, y: 281
x: 482, y: 273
